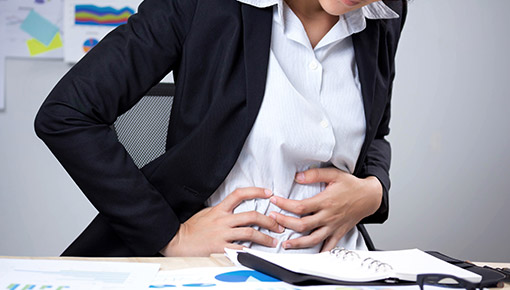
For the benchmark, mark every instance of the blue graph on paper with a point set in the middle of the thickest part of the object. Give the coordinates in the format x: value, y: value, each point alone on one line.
x: 245, y: 276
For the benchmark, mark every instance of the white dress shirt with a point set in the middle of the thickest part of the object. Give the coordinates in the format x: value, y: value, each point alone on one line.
x: 312, y: 115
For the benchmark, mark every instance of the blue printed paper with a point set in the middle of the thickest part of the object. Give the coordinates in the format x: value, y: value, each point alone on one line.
x: 39, y: 28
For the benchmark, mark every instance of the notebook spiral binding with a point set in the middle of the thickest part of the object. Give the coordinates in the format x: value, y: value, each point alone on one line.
x: 368, y: 263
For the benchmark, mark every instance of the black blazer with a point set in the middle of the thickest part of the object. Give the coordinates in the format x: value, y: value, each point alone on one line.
x: 218, y: 51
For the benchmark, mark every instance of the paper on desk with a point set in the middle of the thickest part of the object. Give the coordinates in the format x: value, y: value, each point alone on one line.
x: 64, y: 274
x: 218, y: 278
x: 243, y: 278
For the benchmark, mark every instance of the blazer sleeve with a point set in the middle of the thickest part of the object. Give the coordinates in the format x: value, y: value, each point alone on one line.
x: 377, y: 163
x: 378, y: 157
x: 74, y: 121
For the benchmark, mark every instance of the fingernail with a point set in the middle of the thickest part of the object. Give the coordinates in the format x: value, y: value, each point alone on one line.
x: 286, y: 245
x: 272, y: 215
x: 281, y: 229
x: 268, y: 192
x: 275, y: 243
x: 300, y: 177
x: 273, y: 200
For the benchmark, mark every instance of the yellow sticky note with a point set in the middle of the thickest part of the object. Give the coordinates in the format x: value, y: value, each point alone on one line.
x: 36, y: 47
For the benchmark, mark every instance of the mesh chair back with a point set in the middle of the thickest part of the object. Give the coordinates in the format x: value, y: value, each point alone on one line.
x: 143, y: 129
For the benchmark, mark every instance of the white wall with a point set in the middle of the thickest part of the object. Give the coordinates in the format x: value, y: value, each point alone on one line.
x: 450, y: 127
x: 450, y: 132
x: 41, y: 209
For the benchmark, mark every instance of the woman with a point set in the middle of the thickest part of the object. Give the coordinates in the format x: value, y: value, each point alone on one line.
x: 278, y: 126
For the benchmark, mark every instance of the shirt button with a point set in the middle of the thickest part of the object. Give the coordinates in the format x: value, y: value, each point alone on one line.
x: 324, y: 124
x: 313, y: 65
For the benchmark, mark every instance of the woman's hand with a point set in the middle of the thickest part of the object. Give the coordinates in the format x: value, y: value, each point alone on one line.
x: 215, y: 228
x: 333, y: 212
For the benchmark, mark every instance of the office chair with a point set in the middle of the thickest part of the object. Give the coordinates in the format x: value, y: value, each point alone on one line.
x: 142, y: 130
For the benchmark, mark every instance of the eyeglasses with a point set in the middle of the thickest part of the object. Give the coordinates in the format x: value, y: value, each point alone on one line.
x: 446, y: 281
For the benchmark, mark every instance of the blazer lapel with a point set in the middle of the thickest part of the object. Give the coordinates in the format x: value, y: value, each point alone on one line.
x: 366, y: 49
x: 257, y: 24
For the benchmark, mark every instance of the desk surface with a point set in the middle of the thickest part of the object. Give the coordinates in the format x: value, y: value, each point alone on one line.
x: 215, y: 260
x: 169, y: 263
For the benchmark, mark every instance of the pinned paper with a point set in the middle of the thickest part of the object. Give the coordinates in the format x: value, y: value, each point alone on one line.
x: 2, y: 79
x: 36, y: 47
x: 39, y: 28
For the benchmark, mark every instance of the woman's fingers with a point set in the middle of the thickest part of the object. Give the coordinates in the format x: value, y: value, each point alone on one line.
x: 322, y: 234
x: 300, y: 225
x: 233, y: 246
x: 314, y: 238
x: 332, y: 240
x: 219, y: 227
x: 298, y: 207
x: 249, y: 234
x: 241, y: 194
x: 316, y: 175
x: 254, y: 218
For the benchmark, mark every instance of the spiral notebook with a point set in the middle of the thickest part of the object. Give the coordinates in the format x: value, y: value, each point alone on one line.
x: 350, y: 267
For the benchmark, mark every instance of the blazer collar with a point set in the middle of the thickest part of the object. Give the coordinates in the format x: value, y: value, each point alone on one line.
x: 257, y: 25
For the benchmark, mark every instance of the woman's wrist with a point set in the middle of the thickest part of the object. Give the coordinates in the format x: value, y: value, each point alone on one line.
x: 171, y: 249
x: 373, y: 192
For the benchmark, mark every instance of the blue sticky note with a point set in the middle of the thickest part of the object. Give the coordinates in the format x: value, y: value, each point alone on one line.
x: 39, y: 27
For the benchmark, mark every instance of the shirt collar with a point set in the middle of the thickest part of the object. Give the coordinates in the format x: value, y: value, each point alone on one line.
x: 355, y: 20
x: 376, y: 10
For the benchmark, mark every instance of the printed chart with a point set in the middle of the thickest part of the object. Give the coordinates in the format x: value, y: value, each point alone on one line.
x: 218, y: 278
x: 24, y: 274
x: 86, y: 22
x: 101, y: 16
